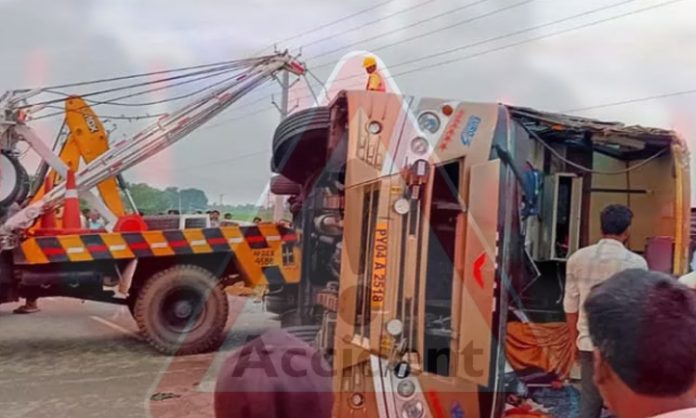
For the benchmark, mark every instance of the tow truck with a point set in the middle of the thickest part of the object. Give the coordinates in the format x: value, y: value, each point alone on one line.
x: 170, y: 271
x: 435, y: 231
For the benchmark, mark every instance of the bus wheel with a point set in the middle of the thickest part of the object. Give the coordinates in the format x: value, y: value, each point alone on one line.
x: 182, y: 310
x: 299, y: 143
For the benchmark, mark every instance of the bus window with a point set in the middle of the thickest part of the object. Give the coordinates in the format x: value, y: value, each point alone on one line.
x: 444, y: 210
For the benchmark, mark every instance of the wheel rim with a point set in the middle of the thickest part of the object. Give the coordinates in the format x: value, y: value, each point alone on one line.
x: 182, y: 310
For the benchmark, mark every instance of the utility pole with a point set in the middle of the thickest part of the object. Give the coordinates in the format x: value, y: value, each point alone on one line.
x: 284, y: 110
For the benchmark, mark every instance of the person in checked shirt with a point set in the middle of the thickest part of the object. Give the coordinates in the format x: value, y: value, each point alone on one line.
x: 585, y: 269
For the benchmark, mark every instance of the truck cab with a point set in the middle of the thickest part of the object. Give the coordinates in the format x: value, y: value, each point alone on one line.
x: 434, y: 231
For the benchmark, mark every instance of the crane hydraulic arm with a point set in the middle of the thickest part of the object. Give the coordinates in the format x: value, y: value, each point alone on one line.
x: 124, y: 154
x: 87, y: 139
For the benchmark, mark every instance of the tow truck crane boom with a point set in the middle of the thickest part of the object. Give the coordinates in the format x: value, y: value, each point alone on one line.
x: 126, y: 153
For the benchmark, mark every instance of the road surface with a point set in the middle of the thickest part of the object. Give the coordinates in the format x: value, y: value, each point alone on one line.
x: 85, y: 359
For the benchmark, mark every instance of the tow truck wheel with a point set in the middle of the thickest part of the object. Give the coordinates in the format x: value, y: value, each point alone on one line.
x: 182, y: 310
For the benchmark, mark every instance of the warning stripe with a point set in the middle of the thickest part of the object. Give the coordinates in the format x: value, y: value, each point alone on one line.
x: 216, y: 240
x: 96, y: 247
x: 287, y: 234
x: 136, y: 242
x: 243, y: 242
x: 177, y: 242
x: 52, y: 249
x: 254, y: 237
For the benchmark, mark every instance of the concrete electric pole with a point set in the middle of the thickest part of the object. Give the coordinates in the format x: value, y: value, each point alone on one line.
x: 284, y: 110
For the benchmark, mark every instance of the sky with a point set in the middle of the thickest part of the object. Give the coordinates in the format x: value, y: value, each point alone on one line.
x: 617, y: 59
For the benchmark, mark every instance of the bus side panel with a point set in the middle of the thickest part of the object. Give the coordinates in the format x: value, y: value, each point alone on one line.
x: 478, y: 288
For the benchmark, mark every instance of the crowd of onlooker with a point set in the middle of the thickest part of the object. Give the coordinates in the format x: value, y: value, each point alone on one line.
x: 91, y: 219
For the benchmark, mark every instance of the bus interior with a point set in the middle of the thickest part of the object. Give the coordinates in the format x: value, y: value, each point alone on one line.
x: 570, y: 169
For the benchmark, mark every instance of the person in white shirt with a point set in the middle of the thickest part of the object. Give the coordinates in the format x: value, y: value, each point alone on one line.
x: 586, y: 268
x: 642, y: 327
x: 214, y: 218
x: 95, y: 221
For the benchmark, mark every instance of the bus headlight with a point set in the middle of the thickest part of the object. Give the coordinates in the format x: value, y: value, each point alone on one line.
x: 429, y: 122
x: 406, y: 389
x: 357, y: 400
x: 402, y: 207
x: 374, y: 127
x: 394, y: 326
x: 413, y: 409
x: 419, y: 145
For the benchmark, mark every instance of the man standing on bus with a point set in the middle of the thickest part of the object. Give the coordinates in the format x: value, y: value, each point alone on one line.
x: 375, y: 82
x: 586, y: 268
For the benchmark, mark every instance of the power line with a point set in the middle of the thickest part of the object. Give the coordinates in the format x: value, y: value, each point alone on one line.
x: 630, y: 101
x: 411, y: 25
x: 618, y: 103
x: 114, y: 101
x: 325, y: 25
x: 265, y: 109
x: 152, y: 73
x: 534, y: 39
x: 169, y: 99
x: 488, y: 40
x: 370, y: 9
x: 243, y: 116
x: 104, y: 117
x: 471, y: 45
x: 127, y: 87
x: 515, y: 33
x: 372, y: 22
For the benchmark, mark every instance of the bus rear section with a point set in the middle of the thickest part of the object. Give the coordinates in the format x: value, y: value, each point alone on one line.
x: 435, y: 234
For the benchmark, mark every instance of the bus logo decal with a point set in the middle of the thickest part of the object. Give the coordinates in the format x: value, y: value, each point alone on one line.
x: 470, y: 130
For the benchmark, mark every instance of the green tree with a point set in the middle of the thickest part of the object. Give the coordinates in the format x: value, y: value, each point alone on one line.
x: 149, y: 200
x: 193, y: 200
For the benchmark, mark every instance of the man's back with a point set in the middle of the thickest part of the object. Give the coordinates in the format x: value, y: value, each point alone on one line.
x: 590, y: 266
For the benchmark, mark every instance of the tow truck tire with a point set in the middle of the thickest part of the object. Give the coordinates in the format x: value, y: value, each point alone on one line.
x: 182, y: 310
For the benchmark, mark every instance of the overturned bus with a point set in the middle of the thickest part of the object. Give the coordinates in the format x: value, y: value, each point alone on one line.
x: 435, y: 234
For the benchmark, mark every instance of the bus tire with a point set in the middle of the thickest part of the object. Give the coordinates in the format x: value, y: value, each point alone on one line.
x: 182, y: 310
x: 298, y: 141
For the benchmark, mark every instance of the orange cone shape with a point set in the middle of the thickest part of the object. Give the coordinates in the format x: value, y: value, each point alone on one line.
x: 48, y: 219
x: 71, y: 206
